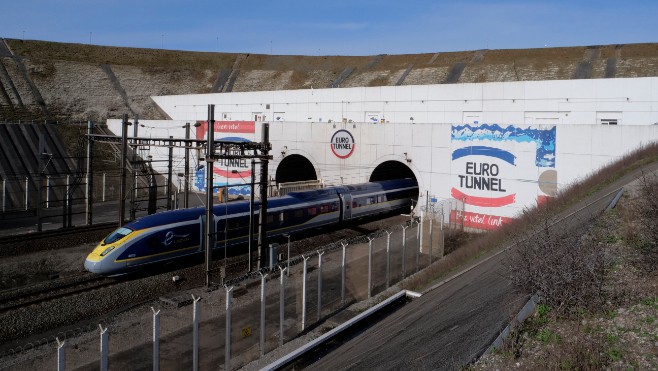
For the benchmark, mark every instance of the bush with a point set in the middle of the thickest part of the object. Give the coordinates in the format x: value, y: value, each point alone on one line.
x: 568, y: 271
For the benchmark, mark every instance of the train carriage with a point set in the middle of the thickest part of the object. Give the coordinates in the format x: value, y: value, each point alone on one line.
x: 171, y: 235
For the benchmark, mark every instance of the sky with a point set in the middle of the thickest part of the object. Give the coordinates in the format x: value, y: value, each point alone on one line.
x: 332, y: 27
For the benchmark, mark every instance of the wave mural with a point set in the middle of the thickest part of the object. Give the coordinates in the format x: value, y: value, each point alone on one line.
x: 543, y: 138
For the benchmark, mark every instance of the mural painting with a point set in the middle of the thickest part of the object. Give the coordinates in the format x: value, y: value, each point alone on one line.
x: 498, y: 170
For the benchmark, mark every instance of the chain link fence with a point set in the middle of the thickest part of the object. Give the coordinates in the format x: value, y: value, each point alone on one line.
x: 261, y: 317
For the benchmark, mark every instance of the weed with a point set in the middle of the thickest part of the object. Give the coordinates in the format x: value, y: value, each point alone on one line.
x: 546, y: 336
x: 614, y: 354
x: 650, y: 320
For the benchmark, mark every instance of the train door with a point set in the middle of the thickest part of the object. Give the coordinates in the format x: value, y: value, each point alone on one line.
x: 346, y: 205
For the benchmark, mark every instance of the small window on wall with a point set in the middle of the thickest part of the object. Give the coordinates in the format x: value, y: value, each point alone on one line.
x: 608, y: 121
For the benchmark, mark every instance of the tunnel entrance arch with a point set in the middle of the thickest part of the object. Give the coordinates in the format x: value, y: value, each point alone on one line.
x: 295, y: 168
x: 391, y: 169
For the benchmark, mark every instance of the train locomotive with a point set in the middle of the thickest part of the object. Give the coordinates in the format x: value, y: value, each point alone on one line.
x: 171, y: 235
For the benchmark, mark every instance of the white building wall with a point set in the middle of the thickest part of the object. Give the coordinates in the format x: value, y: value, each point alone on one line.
x: 421, y: 120
x: 568, y: 101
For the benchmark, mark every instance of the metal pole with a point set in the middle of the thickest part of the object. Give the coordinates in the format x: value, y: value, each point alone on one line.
x: 227, y: 348
x: 195, y: 334
x: 40, y: 172
x: 27, y: 191
x: 90, y: 174
x: 186, y: 192
x: 262, y: 217
x: 61, y: 355
x: 156, y: 339
x: 288, y: 256
x: 423, y: 216
x: 431, y: 247
x: 47, y: 191
x: 342, y: 276
x: 122, y: 188
x: 320, y: 253
x: 104, y: 347
x: 170, y: 168
x: 69, y: 201
x: 443, y: 240
x: 282, y: 306
x: 104, y: 187
x: 40, y: 169
x: 133, y: 194
x: 404, y: 250
x: 417, y: 244
x: 251, y: 213
x: 304, y: 293
x: 263, y: 278
x: 388, y: 259
x: 4, y: 193
x: 370, y: 267
x: 210, y: 220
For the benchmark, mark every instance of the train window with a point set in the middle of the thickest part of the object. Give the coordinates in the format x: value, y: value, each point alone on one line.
x: 355, y: 204
x: 270, y: 219
x: 312, y: 211
x: 324, y: 209
x: 117, y: 235
x: 282, y: 217
x: 299, y: 213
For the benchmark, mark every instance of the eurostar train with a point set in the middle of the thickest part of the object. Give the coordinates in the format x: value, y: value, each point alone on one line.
x: 165, y: 237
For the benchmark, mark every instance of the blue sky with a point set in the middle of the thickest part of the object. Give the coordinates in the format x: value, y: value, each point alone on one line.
x: 335, y: 27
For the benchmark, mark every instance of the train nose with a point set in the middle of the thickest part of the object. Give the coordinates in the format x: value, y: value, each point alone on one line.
x: 93, y: 266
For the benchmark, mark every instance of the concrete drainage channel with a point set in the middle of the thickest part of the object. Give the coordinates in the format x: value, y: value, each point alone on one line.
x: 324, y: 344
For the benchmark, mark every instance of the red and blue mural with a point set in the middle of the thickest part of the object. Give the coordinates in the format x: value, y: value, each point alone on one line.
x: 496, y: 170
x: 230, y: 173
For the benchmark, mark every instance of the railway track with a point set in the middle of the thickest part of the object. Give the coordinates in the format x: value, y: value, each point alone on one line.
x: 7, y: 240
x: 21, y: 297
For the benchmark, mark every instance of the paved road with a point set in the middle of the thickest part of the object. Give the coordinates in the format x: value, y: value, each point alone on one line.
x: 447, y: 327
x: 443, y: 329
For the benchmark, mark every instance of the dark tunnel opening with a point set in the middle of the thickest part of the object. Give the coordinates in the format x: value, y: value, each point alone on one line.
x: 295, y: 168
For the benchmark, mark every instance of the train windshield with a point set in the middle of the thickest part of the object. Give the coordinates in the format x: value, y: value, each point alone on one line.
x: 117, y: 235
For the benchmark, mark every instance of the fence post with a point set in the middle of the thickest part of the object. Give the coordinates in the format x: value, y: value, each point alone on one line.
x: 388, y: 259
x: 89, y: 186
x: 4, y: 189
x: 39, y: 190
x: 156, y: 339
x: 47, y: 191
x: 103, y: 187
x: 304, y: 293
x: 195, y: 335
x: 69, y: 202
x: 227, y: 348
x: 61, y: 355
x: 104, y: 347
x: 27, y: 191
x: 443, y: 239
x: 282, y: 306
x: 431, y: 247
x: 320, y: 253
x: 370, y: 266
x: 417, y: 244
x: 263, y: 278
x: 404, y: 250
x: 342, y: 277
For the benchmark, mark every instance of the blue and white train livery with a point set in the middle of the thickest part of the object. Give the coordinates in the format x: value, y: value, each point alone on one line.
x: 172, y: 235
